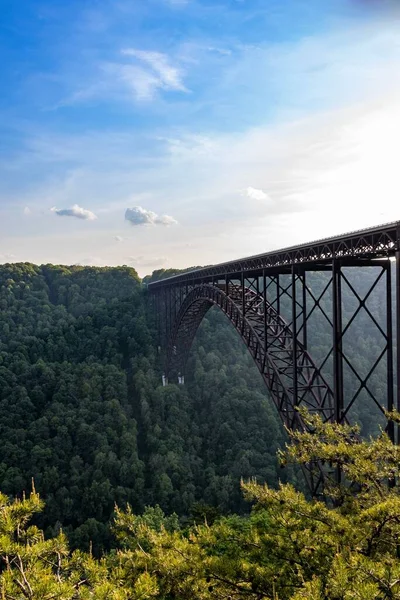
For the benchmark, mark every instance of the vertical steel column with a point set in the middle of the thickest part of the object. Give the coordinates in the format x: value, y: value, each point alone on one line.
x: 158, y: 319
x: 304, y: 309
x: 170, y: 310
x: 337, y: 340
x: 389, y: 352
x: 265, y: 318
x: 398, y: 336
x: 166, y: 313
x: 243, y: 303
x: 278, y: 296
x: 161, y: 317
x: 165, y: 316
x: 337, y: 348
x: 175, y: 302
x: 294, y: 330
x: 227, y: 285
x: 161, y: 321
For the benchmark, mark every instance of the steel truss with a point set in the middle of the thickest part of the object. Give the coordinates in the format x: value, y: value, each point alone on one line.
x: 280, y: 309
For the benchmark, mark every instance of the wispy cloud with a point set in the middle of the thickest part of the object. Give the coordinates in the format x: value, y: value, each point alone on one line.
x: 75, y: 211
x: 140, y: 216
x: 140, y: 82
x: 169, y: 75
x: 148, y: 73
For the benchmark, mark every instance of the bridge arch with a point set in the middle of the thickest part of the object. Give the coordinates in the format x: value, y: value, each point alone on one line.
x: 288, y: 370
x: 291, y: 375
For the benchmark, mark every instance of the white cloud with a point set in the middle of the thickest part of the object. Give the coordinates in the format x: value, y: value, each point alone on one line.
x: 169, y: 75
x: 165, y: 220
x: 118, y: 238
x: 74, y: 211
x: 140, y: 216
x: 27, y: 211
x: 256, y: 194
x: 153, y: 73
x: 142, y: 83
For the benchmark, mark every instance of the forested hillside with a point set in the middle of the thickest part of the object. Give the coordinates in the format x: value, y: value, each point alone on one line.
x: 83, y: 412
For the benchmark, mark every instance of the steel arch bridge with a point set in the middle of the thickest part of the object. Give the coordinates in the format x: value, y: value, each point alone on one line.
x: 271, y: 300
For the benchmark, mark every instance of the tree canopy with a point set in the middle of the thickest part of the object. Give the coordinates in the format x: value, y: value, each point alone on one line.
x: 83, y: 411
x: 288, y: 548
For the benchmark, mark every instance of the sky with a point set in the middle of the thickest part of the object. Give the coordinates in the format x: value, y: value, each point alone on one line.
x: 172, y: 133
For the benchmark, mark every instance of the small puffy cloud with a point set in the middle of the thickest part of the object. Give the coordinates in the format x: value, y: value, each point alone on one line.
x: 256, y: 194
x: 27, y: 211
x: 140, y: 216
x: 118, y: 238
x: 75, y: 211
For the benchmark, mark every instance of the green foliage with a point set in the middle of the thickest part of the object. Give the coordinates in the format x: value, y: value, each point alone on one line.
x: 288, y: 548
x: 291, y: 548
x: 39, y: 569
x: 67, y: 338
x: 83, y: 411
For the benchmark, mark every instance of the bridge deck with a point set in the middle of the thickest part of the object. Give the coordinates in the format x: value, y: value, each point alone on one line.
x: 375, y: 242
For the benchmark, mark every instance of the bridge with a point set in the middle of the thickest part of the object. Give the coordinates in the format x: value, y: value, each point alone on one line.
x: 280, y: 302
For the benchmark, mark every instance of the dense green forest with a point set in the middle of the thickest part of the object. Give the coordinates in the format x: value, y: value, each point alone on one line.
x: 83, y: 412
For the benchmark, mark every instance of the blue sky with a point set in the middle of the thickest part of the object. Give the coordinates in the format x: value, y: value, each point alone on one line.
x: 178, y: 132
